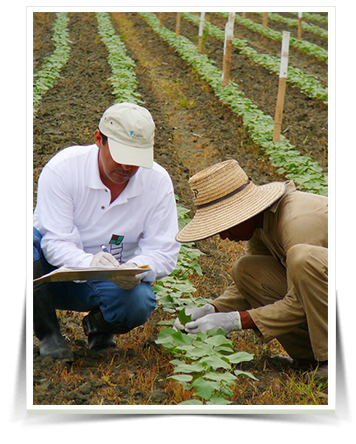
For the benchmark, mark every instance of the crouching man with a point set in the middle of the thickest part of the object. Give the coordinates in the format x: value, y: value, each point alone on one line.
x: 280, y: 287
x: 110, y: 193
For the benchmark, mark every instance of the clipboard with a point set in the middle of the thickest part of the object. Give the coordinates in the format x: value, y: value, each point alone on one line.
x: 63, y: 274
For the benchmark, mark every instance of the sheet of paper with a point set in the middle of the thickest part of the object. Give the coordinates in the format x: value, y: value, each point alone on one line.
x: 89, y: 274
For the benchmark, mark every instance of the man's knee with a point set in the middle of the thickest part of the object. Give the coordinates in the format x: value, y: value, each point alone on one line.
x: 240, y: 269
x: 132, y: 309
x: 302, y: 257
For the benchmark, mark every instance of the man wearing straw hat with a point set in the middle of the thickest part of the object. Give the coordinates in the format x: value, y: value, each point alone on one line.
x: 280, y: 286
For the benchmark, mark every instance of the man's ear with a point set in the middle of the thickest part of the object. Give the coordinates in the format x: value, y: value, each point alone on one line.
x: 97, y: 138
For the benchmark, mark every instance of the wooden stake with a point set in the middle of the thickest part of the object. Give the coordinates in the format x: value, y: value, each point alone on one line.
x: 161, y: 18
x: 200, y: 34
x: 300, y: 18
x: 281, y: 87
x: 178, y: 24
x: 265, y: 20
x: 244, y: 14
x: 229, y: 35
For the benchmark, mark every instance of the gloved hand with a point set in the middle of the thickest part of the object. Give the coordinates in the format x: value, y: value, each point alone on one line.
x: 195, y: 313
x: 103, y: 259
x: 128, y: 282
x: 226, y: 321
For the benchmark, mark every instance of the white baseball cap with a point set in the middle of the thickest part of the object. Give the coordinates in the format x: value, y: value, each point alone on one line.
x: 130, y: 131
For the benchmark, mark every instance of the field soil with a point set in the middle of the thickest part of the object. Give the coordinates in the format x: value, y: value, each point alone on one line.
x: 193, y: 130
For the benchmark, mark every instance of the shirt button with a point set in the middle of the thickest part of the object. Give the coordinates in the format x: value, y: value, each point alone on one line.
x: 103, y: 208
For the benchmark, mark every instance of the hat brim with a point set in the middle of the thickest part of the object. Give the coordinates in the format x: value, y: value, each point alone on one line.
x: 216, y: 218
x: 129, y: 155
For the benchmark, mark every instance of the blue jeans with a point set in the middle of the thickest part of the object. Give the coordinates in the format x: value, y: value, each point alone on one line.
x: 122, y: 308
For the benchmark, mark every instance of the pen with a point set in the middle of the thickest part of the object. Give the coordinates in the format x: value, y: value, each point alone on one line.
x: 104, y: 248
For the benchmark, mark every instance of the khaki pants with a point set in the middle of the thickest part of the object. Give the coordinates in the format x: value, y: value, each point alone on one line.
x: 289, y: 304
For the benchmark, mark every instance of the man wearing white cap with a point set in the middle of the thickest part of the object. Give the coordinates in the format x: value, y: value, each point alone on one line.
x: 104, y: 205
x: 280, y: 287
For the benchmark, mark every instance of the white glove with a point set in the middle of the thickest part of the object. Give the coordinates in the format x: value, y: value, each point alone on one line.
x: 226, y: 321
x: 195, y: 313
x: 103, y: 259
x: 128, y: 282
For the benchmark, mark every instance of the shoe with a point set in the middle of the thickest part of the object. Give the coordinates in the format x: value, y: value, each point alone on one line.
x: 45, y: 322
x: 56, y: 347
x: 98, y: 339
x: 298, y: 364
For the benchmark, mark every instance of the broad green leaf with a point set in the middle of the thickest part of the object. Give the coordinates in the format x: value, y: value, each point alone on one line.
x: 238, y: 357
x: 217, y: 400
x: 204, y: 388
x: 189, y: 368
x: 215, y: 362
x: 181, y: 378
x: 219, y: 340
x: 191, y: 402
x: 199, y: 350
x: 183, y: 317
x: 241, y: 373
x: 227, y: 377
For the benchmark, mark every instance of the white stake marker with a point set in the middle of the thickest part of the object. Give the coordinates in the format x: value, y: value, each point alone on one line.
x: 281, y: 87
x: 229, y: 35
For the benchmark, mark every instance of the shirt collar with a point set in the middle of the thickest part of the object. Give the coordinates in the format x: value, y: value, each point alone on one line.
x: 290, y: 187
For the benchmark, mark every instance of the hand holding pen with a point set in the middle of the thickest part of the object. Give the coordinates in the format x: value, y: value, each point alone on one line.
x: 104, y: 259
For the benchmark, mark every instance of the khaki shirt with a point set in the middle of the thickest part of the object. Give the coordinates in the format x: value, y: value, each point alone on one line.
x: 296, y: 218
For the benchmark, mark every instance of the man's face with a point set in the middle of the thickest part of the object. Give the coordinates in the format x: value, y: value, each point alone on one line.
x: 241, y: 232
x: 111, y: 171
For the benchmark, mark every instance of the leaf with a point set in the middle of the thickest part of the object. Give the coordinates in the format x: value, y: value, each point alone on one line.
x: 215, y: 362
x: 227, y: 377
x: 181, y: 378
x: 241, y: 373
x: 189, y: 368
x: 204, y: 388
x: 191, y: 402
x: 183, y: 318
x: 219, y: 340
x: 217, y: 400
x: 238, y: 357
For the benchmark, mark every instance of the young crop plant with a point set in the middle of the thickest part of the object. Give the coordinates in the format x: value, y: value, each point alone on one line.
x: 123, y: 78
x: 305, y: 172
x: 206, y: 363
x: 44, y: 79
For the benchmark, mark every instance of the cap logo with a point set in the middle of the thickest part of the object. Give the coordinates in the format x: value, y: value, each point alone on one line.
x: 136, y: 136
x: 195, y: 193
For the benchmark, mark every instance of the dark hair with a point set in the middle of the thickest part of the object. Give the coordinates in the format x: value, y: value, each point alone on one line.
x: 103, y: 137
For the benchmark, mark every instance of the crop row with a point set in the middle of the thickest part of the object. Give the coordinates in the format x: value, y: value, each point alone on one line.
x: 49, y: 72
x: 307, y: 84
x: 301, y: 45
x: 307, y: 26
x: 302, y: 169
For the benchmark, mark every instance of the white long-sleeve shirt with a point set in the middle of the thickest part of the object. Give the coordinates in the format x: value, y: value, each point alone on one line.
x: 74, y: 214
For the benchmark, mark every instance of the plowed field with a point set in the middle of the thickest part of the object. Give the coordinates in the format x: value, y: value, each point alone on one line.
x: 194, y: 130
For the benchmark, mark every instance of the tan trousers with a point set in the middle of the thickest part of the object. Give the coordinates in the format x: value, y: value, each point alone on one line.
x: 289, y: 304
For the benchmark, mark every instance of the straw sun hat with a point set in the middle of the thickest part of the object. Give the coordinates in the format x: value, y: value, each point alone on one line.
x: 224, y: 196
